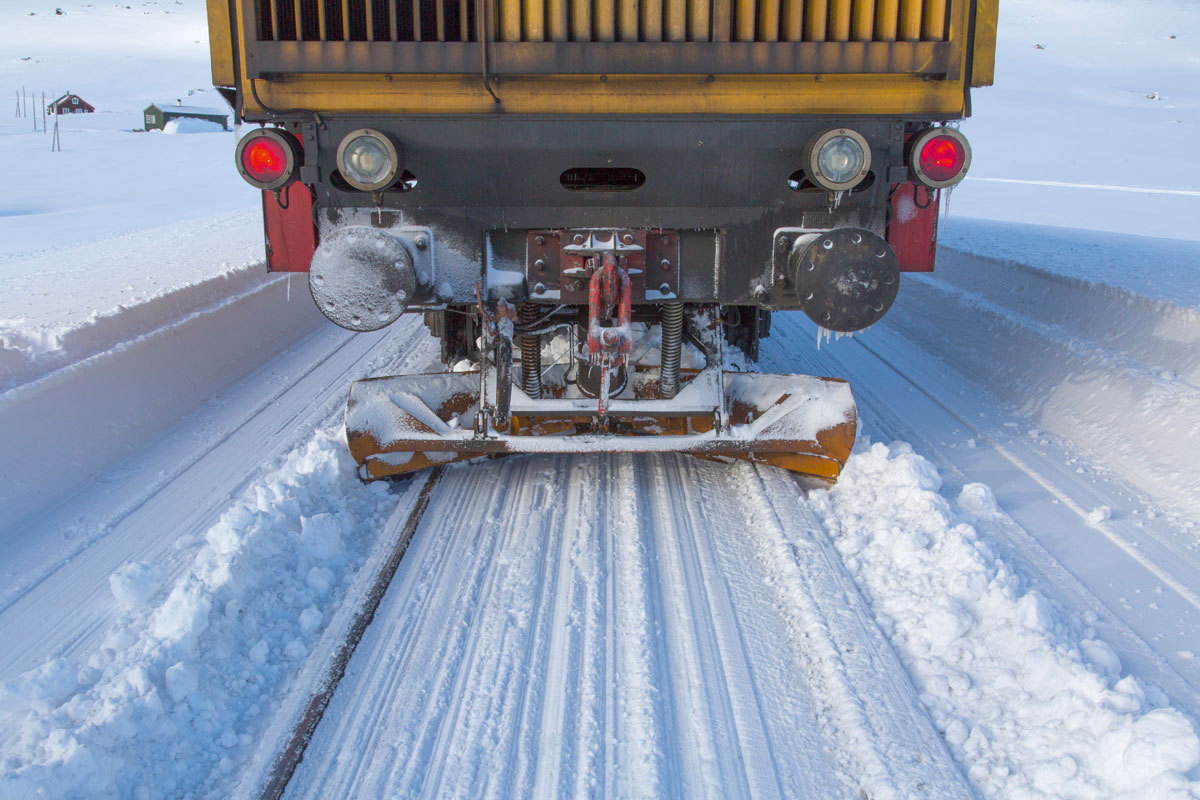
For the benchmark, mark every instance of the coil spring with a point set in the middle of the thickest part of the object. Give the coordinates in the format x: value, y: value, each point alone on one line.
x: 672, y: 337
x: 531, y: 352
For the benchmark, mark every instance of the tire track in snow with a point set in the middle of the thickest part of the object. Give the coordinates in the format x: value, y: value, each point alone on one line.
x: 483, y: 689
x: 575, y: 651
x: 700, y: 688
x: 543, y: 709
x: 635, y: 761
x: 431, y: 748
x: 607, y: 626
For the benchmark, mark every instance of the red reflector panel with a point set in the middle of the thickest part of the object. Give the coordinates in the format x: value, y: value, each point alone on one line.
x: 942, y: 158
x: 265, y: 160
x: 291, y: 234
x: 912, y: 231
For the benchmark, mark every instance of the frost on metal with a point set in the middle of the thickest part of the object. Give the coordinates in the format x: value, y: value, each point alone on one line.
x: 362, y: 278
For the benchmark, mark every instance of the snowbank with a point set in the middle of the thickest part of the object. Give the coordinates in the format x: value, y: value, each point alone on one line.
x: 1158, y: 269
x: 1114, y: 372
x: 188, y: 125
x: 66, y: 428
x: 89, y: 300
x: 1025, y: 695
x: 189, y: 675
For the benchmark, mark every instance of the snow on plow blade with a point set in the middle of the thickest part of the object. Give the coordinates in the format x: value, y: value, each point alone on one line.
x: 805, y: 424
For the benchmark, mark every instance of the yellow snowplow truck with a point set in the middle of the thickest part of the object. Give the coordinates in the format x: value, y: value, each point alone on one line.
x: 591, y: 200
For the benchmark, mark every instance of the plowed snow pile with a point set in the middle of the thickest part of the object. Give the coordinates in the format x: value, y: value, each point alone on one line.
x: 189, y: 674
x: 1028, y: 700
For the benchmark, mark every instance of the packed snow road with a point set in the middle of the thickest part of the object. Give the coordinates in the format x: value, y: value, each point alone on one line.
x: 650, y: 626
x: 624, y: 626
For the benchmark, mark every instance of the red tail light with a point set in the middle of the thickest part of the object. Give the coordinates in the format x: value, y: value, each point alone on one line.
x: 939, y: 157
x: 267, y: 158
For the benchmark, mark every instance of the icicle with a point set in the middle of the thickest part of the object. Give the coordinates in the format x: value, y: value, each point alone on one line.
x: 826, y: 335
x: 833, y: 199
x: 944, y: 197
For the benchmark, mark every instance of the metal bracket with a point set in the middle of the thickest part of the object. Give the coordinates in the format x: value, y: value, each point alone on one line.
x: 418, y: 241
x: 597, y: 242
x: 779, y: 281
x: 556, y: 262
x: 310, y: 171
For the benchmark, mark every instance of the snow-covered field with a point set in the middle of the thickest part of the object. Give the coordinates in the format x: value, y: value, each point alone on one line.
x: 1000, y: 598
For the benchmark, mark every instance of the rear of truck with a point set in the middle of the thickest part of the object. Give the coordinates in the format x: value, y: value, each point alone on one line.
x: 588, y: 200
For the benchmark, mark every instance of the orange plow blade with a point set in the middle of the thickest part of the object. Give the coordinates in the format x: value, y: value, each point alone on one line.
x: 801, y: 423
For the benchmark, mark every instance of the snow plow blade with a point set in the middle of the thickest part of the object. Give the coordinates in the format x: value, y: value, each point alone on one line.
x: 801, y: 423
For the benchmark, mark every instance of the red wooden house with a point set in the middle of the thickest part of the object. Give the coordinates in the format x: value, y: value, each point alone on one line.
x: 70, y: 104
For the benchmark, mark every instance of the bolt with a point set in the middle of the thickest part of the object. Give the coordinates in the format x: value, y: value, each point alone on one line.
x: 664, y: 288
x: 827, y: 244
x: 539, y: 265
x: 539, y: 240
x: 760, y: 292
x: 539, y: 288
x: 856, y: 238
x: 783, y: 242
x: 666, y: 240
x: 665, y: 264
x: 578, y: 238
x: 627, y: 238
x: 421, y: 242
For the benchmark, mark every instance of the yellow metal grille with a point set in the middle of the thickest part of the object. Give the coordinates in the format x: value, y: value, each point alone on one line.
x: 604, y: 20
x: 366, y: 20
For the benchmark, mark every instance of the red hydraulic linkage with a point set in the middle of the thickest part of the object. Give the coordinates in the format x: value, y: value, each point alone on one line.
x: 609, y: 340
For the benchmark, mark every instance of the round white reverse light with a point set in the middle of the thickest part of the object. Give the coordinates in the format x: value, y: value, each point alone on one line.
x: 367, y: 160
x: 837, y: 160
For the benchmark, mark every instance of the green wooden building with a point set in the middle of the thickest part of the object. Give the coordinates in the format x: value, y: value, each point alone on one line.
x: 157, y: 115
